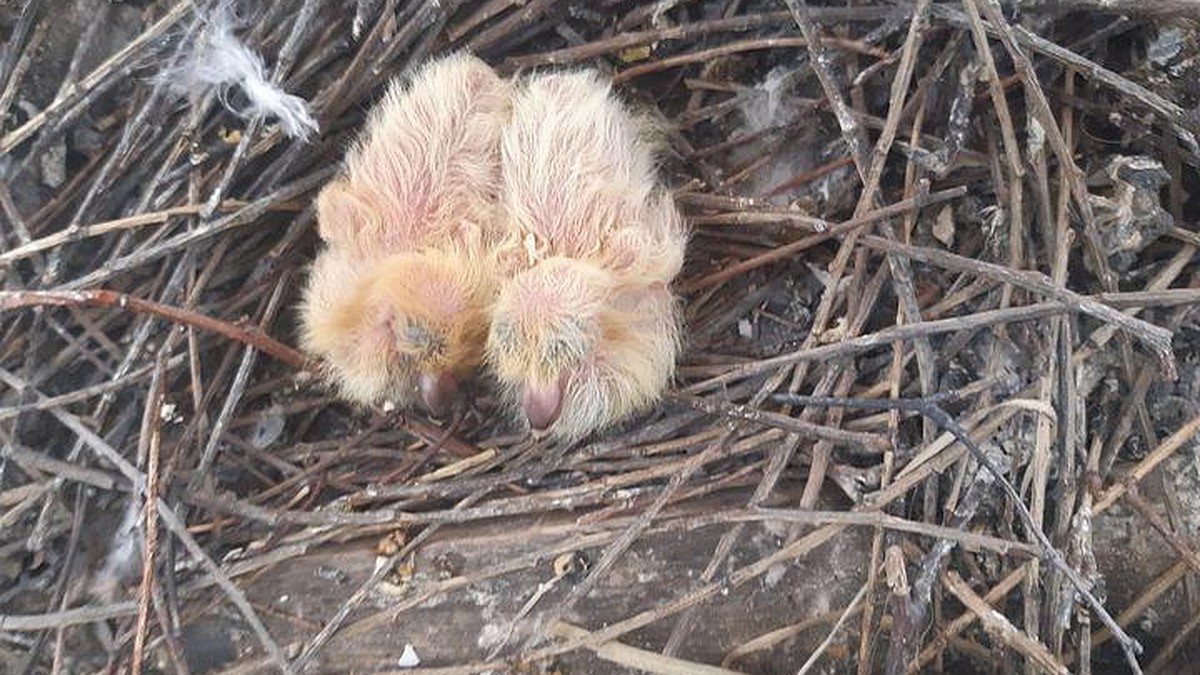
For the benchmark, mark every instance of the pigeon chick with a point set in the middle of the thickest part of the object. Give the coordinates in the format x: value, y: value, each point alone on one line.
x: 396, y: 304
x: 585, y: 329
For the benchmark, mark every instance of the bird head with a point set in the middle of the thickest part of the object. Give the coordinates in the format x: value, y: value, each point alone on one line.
x: 548, y: 325
x: 434, y: 305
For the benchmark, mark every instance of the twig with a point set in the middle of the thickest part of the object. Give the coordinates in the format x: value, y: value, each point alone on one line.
x: 695, y: 29
x: 106, y: 298
x: 1045, y: 117
x: 67, y: 617
x: 236, y: 389
x: 944, y: 420
x: 621, y: 544
x: 1000, y: 627
x: 1171, y: 112
x: 1147, y: 464
x: 966, y: 539
x: 1185, y: 551
x: 830, y: 232
x: 833, y: 632
x: 771, y: 638
x: 994, y: 595
x: 706, y: 55
x: 76, y: 91
x: 820, y: 60
x: 71, y: 235
x: 169, y: 518
x: 1156, y: 338
x: 638, y: 659
x: 181, y: 242
x: 883, y: 338
x: 530, y: 10
x: 152, y: 437
x: 785, y: 422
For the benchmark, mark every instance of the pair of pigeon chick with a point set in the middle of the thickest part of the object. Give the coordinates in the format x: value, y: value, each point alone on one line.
x: 518, y: 226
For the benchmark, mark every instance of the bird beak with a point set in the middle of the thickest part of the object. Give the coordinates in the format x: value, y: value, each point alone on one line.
x: 437, y: 392
x: 543, y: 403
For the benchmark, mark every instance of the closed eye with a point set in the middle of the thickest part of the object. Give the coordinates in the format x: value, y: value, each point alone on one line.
x: 568, y: 343
x: 416, y: 337
x: 504, y: 336
x: 557, y: 349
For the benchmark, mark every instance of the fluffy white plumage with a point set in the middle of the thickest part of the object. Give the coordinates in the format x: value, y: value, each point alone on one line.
x: 217, y: 59
x: 585, y: 331
x: 396, y: 304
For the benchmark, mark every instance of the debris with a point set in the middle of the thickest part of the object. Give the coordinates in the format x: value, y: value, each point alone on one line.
x: 216, y: 59
x: 1129, y: 214
x: 408, y: 658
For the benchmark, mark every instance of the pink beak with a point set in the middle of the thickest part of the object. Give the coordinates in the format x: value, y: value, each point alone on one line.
x: 437, y: 392
x: 542, y: 404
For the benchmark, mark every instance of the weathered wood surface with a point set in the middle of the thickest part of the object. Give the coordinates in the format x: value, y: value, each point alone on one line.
x: 462, y: 626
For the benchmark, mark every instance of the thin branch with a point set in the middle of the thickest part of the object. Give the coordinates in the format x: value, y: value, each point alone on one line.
x: 105, y: 298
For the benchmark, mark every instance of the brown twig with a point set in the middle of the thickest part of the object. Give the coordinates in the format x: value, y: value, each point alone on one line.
x: 168, y: 517
x: 1001, y: 628
x: 829, y: 232
x: 105, y: 298
x: 1156, y: 338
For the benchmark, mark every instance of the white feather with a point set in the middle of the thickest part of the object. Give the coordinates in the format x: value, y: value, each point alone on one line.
x: 217, y: 59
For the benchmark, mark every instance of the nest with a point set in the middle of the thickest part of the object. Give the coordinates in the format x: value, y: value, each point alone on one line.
x: 937, y: 406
